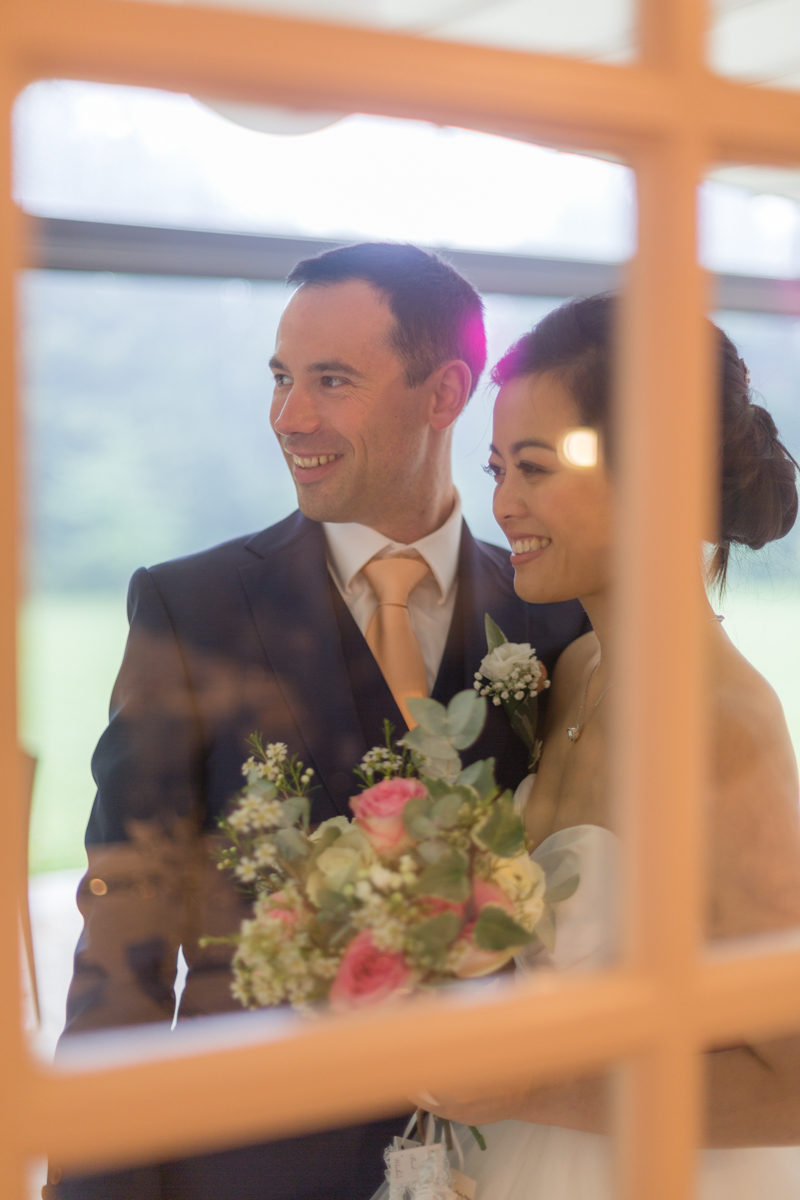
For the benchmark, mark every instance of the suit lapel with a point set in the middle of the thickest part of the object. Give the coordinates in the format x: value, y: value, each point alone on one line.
x: 291, y: 604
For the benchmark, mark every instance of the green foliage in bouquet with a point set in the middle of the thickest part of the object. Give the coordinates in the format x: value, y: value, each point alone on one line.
x: 430, y: 881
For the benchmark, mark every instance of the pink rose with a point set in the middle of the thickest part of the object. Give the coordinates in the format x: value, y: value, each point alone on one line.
x: 484, y: 892
x: 368, y: 975
x: 433, y: 905
x: 469, y: 961
x: 281, y: 909
x: 379, y: 813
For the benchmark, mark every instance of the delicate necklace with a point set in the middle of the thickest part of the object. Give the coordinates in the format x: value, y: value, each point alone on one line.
x: 574, y: 731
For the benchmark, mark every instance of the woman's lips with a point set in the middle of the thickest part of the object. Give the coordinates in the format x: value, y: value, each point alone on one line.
x: 526, y: 549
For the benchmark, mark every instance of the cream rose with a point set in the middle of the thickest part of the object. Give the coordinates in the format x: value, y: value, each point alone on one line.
x: 523, y: 882
x: 498, y: 665
x: 339, y: 864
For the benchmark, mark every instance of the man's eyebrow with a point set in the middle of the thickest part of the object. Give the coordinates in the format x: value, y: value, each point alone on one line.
x: 275, y: 364
x: 334, y: 367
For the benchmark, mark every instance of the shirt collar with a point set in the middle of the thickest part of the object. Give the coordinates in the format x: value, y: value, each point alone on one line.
x: 350, y: 546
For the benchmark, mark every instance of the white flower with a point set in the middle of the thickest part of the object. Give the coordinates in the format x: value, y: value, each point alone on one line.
x: 246, y: 870
x: 383, y: 879
x: 343, y: 824
x: 498, y: 665
x: 265, y: 853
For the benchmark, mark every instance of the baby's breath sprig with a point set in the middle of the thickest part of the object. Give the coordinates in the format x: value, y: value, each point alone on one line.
x: 261, y: 838
x: 390, y: 761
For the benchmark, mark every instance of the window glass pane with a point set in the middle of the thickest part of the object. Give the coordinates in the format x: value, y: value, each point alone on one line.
x: 757, y: 43
x: 96, y: 152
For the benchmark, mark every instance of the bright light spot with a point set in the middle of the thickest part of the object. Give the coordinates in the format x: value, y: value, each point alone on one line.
x: 579, y: 448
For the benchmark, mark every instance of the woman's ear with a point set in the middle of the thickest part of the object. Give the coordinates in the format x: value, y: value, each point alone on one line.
x: 451, y: 387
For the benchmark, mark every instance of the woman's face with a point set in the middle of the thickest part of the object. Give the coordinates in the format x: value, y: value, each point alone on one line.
x: 562, y: 513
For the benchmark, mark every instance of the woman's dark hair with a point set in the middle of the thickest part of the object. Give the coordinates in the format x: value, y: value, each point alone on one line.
x: 758, y: 481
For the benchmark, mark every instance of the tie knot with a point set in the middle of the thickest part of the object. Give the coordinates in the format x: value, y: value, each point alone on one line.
x: 394, y: 579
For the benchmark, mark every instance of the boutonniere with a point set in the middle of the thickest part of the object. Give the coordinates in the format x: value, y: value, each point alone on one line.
x: 513, y: 676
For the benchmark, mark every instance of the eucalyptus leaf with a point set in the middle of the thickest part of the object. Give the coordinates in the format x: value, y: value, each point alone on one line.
x: 264, y: 788
x: 563, y: 890
x: 446, y: 878
x: 445, y: 811
x: 495, y: 929
x: 469, y: 717
x: 503, y: 831
x: 431, y: 850
x: 459, y: 711
x: 292, y: 844
x: 332, y: 906
x: 294, y: 808
x: 430, y: 715
x: 494, y: 634
x: 417, y: 820
x: 564, y: 860
x: 480, y: 776
x: 437, y: 933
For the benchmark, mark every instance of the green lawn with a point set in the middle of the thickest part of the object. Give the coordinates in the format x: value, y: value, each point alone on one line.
x: 72, y: 645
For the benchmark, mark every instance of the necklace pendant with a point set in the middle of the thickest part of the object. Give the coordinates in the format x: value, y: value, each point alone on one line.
x: 574, y: 732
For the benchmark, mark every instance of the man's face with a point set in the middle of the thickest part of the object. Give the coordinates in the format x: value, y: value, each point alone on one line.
x: 352, y: 431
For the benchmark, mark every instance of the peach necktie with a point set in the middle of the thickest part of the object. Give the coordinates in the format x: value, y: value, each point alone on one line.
x: 390, y: 636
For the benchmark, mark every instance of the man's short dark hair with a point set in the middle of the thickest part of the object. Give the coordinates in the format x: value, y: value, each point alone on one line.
x: 438, y: 314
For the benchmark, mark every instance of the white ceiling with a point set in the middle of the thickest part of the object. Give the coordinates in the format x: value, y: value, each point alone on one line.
x: 756, y: 41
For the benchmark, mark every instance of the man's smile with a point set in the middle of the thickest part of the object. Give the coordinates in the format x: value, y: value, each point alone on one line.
x: 318, y: 460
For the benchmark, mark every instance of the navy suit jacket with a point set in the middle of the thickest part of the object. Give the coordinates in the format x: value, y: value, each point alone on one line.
x: 250, y: 635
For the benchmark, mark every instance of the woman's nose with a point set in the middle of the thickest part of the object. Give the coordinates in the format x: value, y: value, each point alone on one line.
x: 297, y: 414
x: 507, y: 502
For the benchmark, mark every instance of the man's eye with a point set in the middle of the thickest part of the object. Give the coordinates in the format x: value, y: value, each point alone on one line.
x: 494, y: 470
x: 281, y: 380
x: 332, y: 381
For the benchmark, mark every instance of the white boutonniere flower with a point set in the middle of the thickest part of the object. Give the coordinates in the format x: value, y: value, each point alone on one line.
x: 510, y: 674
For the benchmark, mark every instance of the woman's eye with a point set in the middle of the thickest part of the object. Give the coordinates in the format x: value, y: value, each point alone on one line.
x: 494, y: 470
x: 530, y: 468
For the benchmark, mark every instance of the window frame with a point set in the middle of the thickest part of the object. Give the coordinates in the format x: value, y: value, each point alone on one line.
x: 151, y: 1095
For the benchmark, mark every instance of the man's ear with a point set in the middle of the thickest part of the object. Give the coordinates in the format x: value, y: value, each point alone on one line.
x: 451, y: 388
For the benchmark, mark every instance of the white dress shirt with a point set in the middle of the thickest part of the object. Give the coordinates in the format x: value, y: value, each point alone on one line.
x: 430, y: 605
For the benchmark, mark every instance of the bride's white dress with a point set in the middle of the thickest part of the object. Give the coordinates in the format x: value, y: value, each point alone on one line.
x: 523, y: 1161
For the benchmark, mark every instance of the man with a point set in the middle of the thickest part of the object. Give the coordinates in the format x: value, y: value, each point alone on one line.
x: 312, y: 632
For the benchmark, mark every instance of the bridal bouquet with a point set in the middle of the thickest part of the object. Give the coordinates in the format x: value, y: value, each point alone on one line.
x: 429, y: 881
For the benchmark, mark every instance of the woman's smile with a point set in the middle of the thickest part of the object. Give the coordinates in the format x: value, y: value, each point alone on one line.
x: 526, y: 547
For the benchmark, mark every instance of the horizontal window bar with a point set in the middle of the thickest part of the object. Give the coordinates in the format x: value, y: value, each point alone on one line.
x: 63, y: 245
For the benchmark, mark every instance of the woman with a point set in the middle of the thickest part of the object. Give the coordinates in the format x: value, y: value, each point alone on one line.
x: 549, y: 1143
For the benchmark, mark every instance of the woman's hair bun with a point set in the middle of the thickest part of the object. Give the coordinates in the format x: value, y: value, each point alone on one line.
x: 759, y: 489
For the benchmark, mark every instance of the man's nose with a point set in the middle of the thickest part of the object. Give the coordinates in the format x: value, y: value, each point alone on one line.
x: 297, y: 414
